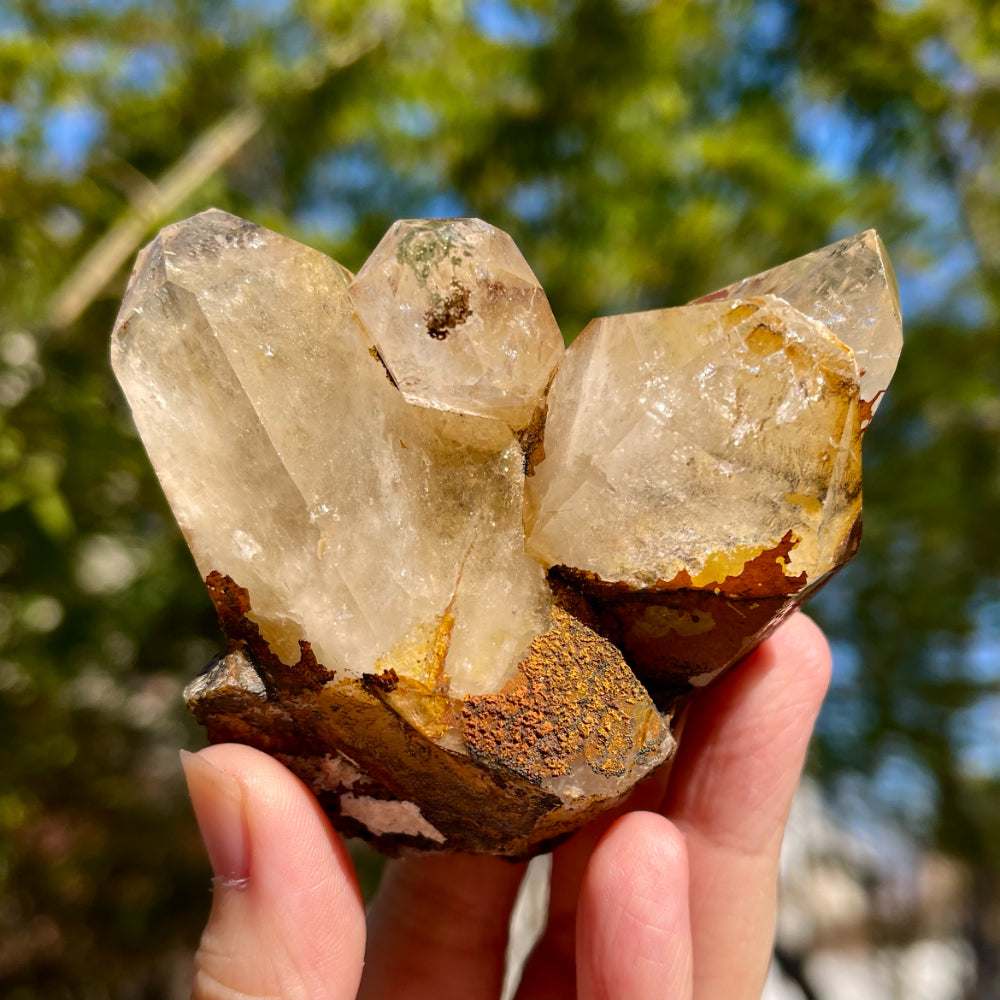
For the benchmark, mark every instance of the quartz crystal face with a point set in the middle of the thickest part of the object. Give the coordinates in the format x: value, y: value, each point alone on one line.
x: 850, y: 286
x: 702, y: 473
x: 467, y: 578
x: 459, y: 319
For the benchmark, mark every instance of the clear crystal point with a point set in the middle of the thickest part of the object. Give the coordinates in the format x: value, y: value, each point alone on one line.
x: 683, y: 443
x: 850, y: 286
x: 459, y: 319
x: 294, y: 467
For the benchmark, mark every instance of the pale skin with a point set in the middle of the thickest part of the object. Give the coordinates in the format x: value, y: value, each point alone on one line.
x: 672, y: 898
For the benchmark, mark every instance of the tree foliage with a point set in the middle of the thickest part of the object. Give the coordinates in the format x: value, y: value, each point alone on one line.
x: 640, y: 154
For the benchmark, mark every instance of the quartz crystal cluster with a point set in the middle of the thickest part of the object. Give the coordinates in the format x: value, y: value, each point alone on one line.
x: 468, y: 577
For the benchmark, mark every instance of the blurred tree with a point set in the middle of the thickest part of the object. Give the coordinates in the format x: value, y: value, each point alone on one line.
x: 640, y: 154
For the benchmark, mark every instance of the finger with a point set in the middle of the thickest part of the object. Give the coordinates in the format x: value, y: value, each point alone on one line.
x: 287, y: 917
x: 550, y: 971
x: 438, y: 929
x: 730, y: 791
x: 633, y: 926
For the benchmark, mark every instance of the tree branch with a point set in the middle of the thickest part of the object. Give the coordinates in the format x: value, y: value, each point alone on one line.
x: 210, y: 151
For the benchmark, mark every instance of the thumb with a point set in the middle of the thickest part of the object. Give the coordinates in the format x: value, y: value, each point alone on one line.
x: 287, y: 918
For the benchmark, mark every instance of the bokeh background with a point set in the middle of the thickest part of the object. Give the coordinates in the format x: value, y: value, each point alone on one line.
x: 640, y: 154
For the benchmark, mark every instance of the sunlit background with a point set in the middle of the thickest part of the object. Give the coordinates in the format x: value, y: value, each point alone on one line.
x: 640, y: 154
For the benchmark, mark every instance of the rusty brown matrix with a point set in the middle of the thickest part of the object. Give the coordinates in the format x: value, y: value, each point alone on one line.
x: 468, y: 576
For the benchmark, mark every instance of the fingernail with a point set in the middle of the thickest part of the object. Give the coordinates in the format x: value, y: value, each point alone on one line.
x: 220, y: 808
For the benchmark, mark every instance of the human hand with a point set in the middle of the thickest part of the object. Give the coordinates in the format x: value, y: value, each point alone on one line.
x: 673, y: 899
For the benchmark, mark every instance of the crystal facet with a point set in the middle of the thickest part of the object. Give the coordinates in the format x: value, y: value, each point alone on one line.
x: 850, y: 286
x: 702, y: 464
x: 467, y: 578
x: 674, y: 446
x: 354, y: 519
x: 459, y: 319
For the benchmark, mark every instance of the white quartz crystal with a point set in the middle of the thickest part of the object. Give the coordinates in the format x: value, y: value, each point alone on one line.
x: 692, y: 440
x: 459, y: 318
x: 354, y: 519
x: 849, y: 286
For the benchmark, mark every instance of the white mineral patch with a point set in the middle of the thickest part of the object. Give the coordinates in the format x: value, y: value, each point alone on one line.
x: 381, y: 816
x: 336, y: 772
x: 701, y: 680
x: 329, y: 773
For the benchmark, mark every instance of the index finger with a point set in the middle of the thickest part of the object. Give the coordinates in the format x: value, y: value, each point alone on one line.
x: 730, y: 791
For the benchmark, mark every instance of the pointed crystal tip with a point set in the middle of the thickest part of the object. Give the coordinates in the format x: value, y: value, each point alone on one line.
x: 459, y: 319
x: 850, y: 286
